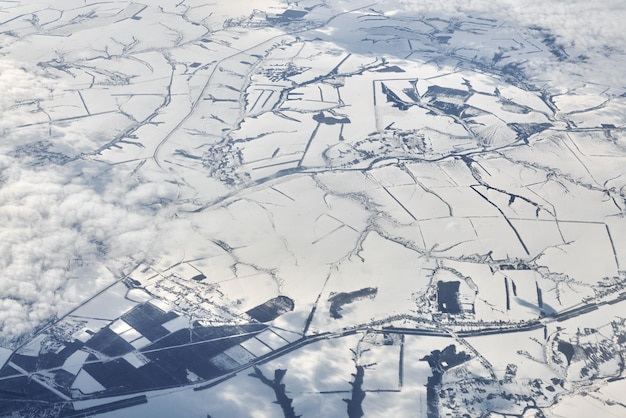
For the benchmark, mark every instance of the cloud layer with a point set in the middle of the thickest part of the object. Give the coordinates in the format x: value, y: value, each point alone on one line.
x: 591, y: 29
x: 578, y: 22
x: 66, y: 230
x: 58, y: 231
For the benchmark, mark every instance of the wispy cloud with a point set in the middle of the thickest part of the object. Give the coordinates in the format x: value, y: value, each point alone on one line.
x: 19, y: 88
x: 65, y: 230
x: 58, y: 231
x: 582, y: 28
x: 578, y: 22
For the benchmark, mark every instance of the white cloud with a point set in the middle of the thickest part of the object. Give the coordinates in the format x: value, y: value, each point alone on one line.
x: 579, y: 21
x: 18, y: 86
x: 51, y: 217
x: 68, y: 230
x: 62, y: 226
x: 581, y: 27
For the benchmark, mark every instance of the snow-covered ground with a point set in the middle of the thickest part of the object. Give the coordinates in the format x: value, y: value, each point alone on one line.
x: 401, y: 208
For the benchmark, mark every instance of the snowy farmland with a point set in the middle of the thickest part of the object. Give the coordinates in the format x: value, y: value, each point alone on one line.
x: 341, y: 209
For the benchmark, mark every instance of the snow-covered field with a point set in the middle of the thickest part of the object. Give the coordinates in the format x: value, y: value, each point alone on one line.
x: 403, y: 208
